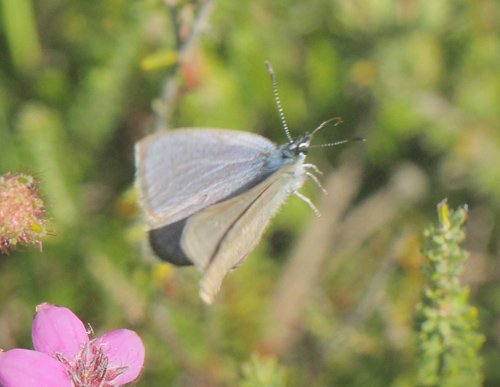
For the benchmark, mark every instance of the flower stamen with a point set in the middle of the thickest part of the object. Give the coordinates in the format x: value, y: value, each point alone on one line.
x: 90, y: 367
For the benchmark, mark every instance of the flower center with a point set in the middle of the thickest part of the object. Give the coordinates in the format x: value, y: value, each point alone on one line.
x: 90, y: 367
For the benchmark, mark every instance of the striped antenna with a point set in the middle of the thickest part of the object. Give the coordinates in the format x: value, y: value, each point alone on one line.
x: 352, y: 139
x: 278, y: 102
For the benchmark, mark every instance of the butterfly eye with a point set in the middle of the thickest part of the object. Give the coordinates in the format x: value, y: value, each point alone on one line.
x: 303, y: 149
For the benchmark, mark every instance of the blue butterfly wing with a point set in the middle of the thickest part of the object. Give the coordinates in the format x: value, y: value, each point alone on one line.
x: 184, y: 171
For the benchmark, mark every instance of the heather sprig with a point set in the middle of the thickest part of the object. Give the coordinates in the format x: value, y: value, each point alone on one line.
x: 447, y: 324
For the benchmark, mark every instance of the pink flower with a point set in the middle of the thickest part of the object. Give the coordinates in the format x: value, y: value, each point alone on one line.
x: 65, y: 357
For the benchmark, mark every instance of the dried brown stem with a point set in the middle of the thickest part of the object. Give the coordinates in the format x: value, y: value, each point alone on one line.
x: 306, y: 263
x: 330, y: 237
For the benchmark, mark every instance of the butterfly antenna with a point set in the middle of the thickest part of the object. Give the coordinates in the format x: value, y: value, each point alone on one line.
x: 277, y: 99
x: 352, y: 139
x: 338, y: 121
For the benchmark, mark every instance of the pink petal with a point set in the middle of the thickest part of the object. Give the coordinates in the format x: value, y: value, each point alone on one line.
x: 25, y: 368
x: 123, y: 348
x: 57, y: 329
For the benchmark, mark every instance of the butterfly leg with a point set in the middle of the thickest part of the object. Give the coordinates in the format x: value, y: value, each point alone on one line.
x: 315, y: 179
x: 313, y: 167
x: 308, y: 202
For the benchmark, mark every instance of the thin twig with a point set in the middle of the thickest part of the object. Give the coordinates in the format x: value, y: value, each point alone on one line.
x: 197, y: 28
x: 170, y: 90
x: 175, y: 24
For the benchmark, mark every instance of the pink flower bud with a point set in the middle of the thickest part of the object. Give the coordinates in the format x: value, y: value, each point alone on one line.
x: 21, y: 212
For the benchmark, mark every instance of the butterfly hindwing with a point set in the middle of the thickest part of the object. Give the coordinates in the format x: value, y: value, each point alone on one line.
x: 219, y: 238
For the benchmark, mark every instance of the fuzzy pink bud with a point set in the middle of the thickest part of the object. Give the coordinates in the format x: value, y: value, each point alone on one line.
x: 21, y: 212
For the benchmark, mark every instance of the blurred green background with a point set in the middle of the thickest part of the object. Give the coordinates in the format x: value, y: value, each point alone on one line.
x: 320, y: 302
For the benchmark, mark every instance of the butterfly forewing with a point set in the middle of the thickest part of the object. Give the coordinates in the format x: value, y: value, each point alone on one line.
x: 184, y: 171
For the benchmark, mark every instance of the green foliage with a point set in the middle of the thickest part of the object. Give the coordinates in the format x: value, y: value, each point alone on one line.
x: 332, y: 299
x: 262, y: 372
x: 20, y: 28
x: 448, y: 326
